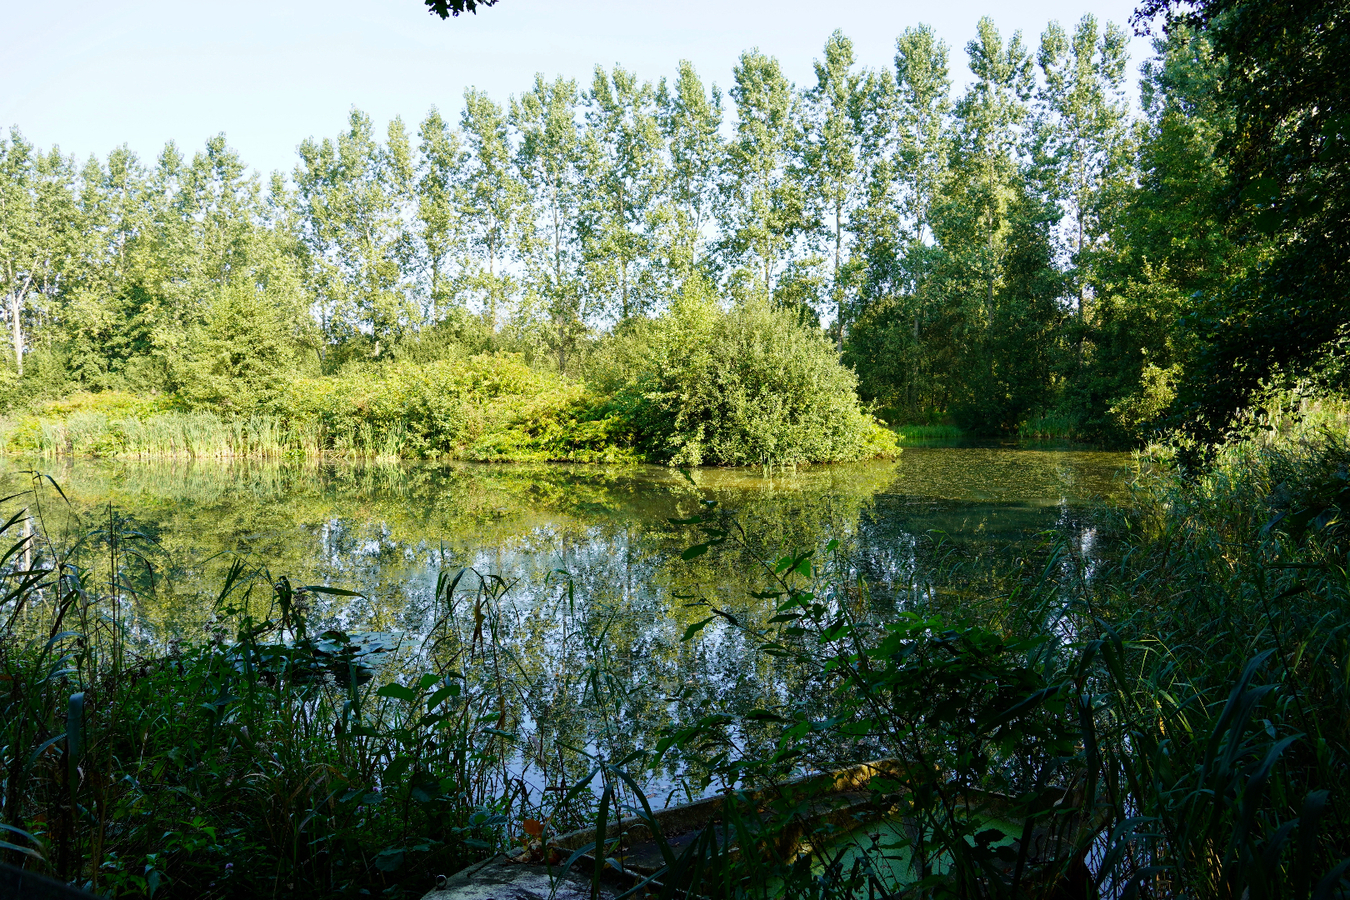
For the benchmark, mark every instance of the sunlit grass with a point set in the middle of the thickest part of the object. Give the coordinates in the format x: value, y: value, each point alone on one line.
x: 928, y: 435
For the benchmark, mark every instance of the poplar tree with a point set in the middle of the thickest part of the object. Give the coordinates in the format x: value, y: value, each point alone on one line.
x: 624, y: 182
x: 923, y: 109
x: 100, y: 325
x: 690, y: 119
x: 493, y: 204
x: 439, y: 211
x: 549, y: 159
x: 998, y: 285
x: 18, y: 234
x: 61, y: 231
x: 354, y: 197
x: 1082, y: 136
x: 894, y: 352
x: 765, y: 206
x: 31, y: 232
x: 833, y: 157
x: 990, y: 139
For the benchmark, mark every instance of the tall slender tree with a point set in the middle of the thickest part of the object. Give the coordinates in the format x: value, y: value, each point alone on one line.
x: 764, y: 211
x: 494, y: 200
x: 1082, y: 136
x: 439, y: 210
x: 549, y: 160
x: 625, y: 177
x: 22, y: 250
x: 355, y: 201
x: 691, y: 119
x: 990, y: 143
x: 835, y: 109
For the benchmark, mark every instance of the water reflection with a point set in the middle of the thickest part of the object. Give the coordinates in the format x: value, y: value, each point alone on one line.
x: 593, y: 599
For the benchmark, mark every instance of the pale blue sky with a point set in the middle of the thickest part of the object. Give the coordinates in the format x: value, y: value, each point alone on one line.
x: 90, y: 74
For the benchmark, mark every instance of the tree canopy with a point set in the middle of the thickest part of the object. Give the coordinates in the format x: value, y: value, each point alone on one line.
x: 1024, y: 255
x: 447, y: 8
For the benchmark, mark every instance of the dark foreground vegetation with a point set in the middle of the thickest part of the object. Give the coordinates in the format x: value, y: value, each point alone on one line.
x: 1183, y: 698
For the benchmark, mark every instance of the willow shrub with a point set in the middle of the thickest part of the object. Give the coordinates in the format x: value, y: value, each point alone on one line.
x: 752, y: 386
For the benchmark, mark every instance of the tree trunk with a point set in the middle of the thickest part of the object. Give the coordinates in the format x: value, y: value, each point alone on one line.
x: 562, y: 345
x: 16, y: 320
x: 838, y: 290
x: 492, y: 288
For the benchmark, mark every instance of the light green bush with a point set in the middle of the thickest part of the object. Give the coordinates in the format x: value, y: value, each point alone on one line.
x: 486, y: 407
x: 752, y: 386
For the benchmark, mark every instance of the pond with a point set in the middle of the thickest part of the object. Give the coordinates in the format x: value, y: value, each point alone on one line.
x: 572, y: 573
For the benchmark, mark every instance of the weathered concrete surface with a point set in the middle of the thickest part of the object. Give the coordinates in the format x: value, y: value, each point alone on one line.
x: 500, y: 878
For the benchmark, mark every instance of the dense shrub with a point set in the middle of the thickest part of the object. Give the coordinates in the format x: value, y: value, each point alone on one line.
x: 485, y: 407
x: 752, y: 386
x: 699, y: 385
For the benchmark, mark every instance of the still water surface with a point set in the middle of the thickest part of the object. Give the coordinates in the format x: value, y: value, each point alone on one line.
x: 385, y: 531
x: 591, y: 579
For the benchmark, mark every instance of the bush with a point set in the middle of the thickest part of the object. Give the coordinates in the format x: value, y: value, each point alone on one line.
x: 485, y: 407
x: 747, y: 387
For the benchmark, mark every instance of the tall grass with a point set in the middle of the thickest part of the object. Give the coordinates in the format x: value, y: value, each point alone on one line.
x: 1053, y: 426
x: 269, y: 760
x: 201, y: 435
x: 1175, y: 723
x: 928, y: 435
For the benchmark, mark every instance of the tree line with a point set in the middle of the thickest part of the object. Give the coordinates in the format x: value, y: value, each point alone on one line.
x: 1027, y: 253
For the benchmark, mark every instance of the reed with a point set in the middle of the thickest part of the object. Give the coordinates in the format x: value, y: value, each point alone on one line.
x: 268, y: 760
x: 1054, y: 426
x: 928, y: 435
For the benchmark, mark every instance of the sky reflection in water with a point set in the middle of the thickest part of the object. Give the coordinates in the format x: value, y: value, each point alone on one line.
x: 593, y: 598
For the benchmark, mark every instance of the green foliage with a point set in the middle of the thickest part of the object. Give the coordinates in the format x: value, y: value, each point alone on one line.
x: 480, y: 407
x: 752, y: 387
x: 265, y: 761
x: 747, y: 387
x: 1171, y: 723
x: 1020, y: 252
x: 1283, y: 199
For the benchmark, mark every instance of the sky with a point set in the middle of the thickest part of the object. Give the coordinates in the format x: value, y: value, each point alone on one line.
x: 89, y: 75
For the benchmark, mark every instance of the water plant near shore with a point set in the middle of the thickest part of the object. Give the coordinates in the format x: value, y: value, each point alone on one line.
x: 262, y: 762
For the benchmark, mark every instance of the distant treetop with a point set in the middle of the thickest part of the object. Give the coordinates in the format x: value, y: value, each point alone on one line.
x: 447, y: 8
